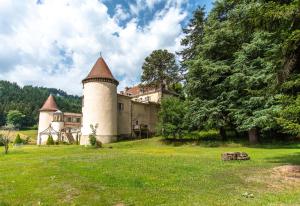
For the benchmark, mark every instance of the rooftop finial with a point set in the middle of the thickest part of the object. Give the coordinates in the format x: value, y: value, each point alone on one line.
x: 100, y: 54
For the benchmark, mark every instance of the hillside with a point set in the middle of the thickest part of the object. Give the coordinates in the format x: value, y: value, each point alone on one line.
x: 29, y: 99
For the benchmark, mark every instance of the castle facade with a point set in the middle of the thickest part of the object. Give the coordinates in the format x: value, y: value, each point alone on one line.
x: 131, y: 113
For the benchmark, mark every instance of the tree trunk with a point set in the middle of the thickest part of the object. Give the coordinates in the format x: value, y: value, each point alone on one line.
x: 290, y: 64
x: 6, y: 148
x: 223, y: 134
x: 253, y: 136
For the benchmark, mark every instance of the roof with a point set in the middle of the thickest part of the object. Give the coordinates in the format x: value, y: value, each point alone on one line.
x: 138, y: 89
x: 100, y: 71
x: 50, y: 104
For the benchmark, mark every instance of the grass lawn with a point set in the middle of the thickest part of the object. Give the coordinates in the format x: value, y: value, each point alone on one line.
x: 29, y: 132
x: 146, y: 172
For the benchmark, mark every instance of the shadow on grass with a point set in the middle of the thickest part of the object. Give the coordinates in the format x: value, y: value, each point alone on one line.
x: 3, y: 203
x: 233, y: 142
x: 182, y: 142
x: 292, y: 159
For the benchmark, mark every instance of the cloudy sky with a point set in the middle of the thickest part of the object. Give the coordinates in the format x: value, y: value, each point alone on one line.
x: 54, y: 43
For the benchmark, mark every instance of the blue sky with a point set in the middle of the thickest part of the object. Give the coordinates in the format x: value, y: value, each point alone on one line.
x: 54, y: 43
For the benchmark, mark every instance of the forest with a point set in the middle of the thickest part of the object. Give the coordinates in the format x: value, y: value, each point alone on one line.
x: 29, y: 99
x: 242, y: 64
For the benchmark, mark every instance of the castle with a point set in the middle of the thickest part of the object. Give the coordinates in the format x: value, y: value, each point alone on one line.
x: 128, y: 114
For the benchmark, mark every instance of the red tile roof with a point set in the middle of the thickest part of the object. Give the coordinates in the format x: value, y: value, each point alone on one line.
x: 100, y: 70
x: 50, y: 104
x: 138, y: 89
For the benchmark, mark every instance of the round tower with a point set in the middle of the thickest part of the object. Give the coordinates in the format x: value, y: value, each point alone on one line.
x: 46, y: 118
x: 99, y: 104
x: 58, y: 124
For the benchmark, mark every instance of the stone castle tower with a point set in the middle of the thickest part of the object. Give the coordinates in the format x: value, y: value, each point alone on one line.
x: 46, y: 116
x: 99, y: 104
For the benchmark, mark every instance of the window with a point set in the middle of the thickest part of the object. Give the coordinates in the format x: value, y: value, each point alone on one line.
x: 120, y: 106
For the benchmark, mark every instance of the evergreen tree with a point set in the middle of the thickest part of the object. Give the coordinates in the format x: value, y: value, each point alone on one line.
x: 194, y: 33
x: 248, y: 50
x: 160, y: 69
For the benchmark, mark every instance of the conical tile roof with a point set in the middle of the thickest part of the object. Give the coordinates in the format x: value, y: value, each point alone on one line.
x: 50, y: 104
x: 100, y: 71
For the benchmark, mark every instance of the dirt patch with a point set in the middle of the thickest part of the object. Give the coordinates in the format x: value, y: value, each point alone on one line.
x: 286, y: 176
x: 287, y: 171
x: 277, y: 178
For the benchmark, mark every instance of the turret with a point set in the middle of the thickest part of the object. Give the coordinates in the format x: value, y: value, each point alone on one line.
x: 45, y: 118
x: 57, y: 124
x: 99, y: 105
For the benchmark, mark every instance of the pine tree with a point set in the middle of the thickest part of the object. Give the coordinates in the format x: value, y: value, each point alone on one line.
x: 238, y: 70
x: 160, y: 69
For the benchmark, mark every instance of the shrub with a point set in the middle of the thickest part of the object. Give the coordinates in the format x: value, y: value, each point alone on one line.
x: 98, y: 144
x: 50, y: 140
x: 209, y: 135
x: 92, y: 137
x: 93, y: 140
x: 205, y: 135
x: 18, y: 140
x: 27, y: 140
x: 171, y: 118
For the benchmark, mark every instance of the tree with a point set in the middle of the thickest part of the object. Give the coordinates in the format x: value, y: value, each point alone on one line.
x: 172, y: 117
x: 289, y: 118
x: 253, y: 79
x: 5, y: 140
x: 16, y: 118
x: 246, y: 51
x: 5, y: 137
x: 160, y: 69
x: 194, y: 34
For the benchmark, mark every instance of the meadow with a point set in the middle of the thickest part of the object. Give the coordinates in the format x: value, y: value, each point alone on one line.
x: 147, y: 172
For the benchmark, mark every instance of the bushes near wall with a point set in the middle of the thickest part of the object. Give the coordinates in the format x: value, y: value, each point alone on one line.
x: 50, y: 140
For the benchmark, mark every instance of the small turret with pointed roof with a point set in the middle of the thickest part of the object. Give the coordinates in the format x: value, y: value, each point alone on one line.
x: 50, y: 104
x: 100, y: 72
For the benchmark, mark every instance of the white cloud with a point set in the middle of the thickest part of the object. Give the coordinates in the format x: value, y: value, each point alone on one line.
x: 56, y: 43
x: 120, y: 13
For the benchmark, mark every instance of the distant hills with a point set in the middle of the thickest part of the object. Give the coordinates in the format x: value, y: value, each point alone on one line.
x: 29, y: 99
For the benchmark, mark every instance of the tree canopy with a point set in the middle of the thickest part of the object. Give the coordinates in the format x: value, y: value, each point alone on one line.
x: 160, y: 68
x: 243, y: 72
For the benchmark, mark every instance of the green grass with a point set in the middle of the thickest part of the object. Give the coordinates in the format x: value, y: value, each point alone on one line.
x: 31, y: 133
x: 145, y: 172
